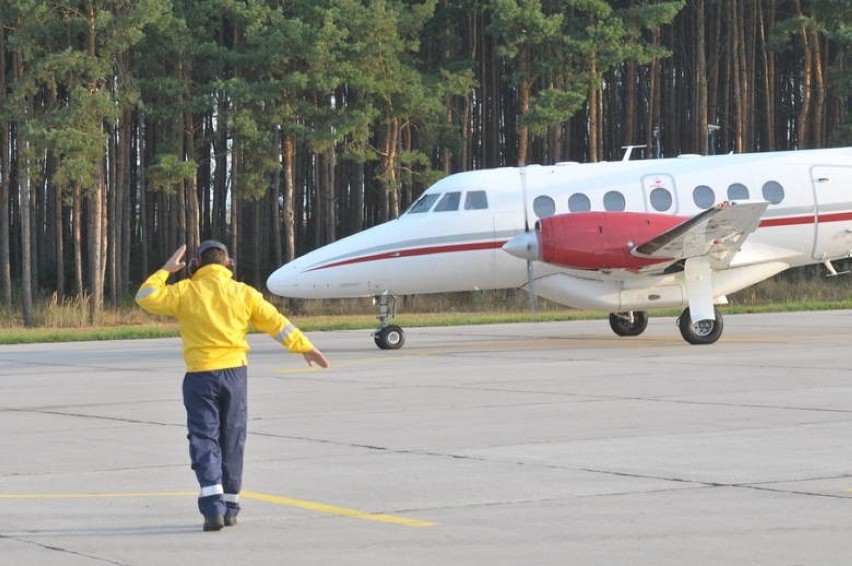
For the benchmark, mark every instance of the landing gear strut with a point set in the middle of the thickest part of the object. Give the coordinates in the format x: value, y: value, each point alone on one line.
x: 387, y: 336
x: 632, y: 323
x: 702, y: 332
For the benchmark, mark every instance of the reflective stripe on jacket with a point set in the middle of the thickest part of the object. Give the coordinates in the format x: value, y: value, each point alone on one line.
x: 214, y: 312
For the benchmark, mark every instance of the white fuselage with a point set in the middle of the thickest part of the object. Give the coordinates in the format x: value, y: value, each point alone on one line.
x: 435, y: 251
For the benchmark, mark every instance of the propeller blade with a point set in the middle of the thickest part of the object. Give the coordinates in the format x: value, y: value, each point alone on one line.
x: 527, y: 245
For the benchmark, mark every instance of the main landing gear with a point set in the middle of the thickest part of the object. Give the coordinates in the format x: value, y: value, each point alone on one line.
x: 702, y: 332
x: 634, y: 323
x: 387, y: 336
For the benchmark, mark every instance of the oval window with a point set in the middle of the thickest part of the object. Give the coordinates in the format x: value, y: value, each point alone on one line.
x: 661, y: 199
x: 544, y: 206
x: 737, y: 191
x: 578, y: 202
x: 773, y: 192
x: 614, y: 201
x: 703, y: 196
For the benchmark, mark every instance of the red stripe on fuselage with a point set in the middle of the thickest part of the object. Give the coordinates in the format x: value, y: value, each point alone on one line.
x: 798, y: 220
x: 413, y: 252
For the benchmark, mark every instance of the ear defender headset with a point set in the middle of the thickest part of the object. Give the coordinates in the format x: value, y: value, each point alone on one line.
x: 195, y: 262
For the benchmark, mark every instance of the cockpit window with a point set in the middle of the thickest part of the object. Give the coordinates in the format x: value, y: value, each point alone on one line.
x: 475, y: 200
x: 448, y: 202
x: 424, y: 203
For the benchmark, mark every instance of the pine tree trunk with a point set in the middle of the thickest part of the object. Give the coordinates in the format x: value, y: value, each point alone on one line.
x: 701, y: 121
x: 113, y: 198
x: 819, y: 88
x: 193, y: 215
x: 806, y: 87
x: 288, y: 213
x: 768, y: 73
x: 274, y: 198
x: 94, y: 247
x: 26, y: 225
x: 736, y: 75
x: 5, y: 259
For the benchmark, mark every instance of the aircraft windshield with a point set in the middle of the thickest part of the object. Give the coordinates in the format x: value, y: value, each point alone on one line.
x: 423, y: 204
x: 475, y: 200
x: 449, y: 201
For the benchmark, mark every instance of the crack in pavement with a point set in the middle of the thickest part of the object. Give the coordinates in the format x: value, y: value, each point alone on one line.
x: 61, y: 550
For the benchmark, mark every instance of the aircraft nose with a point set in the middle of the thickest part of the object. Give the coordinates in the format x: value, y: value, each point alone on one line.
x: 284, y: 281
x: 524, y: 246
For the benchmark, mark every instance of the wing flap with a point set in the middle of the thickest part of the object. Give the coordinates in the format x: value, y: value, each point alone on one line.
x: 717, y: 233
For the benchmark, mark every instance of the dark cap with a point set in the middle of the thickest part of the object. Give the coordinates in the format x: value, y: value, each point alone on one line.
x: 210, y: 245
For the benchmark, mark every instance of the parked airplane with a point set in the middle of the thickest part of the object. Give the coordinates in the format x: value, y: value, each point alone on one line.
x: 622, y: 237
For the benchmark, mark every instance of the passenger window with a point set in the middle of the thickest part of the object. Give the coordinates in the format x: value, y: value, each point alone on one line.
x: 423, y: 204
x: 449, y: 202
x: 614, y: 201
x: 773, y: 192
x: 661, y: 199
x: 578, y: 202
x: 737, y: 191
x: 475, y: 200
x: 543, y: 206
x: 703, y: 196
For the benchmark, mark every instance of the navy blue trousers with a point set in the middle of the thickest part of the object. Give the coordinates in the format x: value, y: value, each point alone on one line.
x: 216, y: 417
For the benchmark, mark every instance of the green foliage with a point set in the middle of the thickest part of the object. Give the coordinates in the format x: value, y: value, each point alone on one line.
x: 550, y: 107
x: 168, y: 173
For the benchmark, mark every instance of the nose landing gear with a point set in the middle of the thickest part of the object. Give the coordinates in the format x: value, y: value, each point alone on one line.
x: 387, y: 336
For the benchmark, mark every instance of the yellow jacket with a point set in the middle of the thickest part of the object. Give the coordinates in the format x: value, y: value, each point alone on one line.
x: 214, y: 312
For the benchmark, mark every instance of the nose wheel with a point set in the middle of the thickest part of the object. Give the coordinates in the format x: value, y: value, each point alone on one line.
x: 387, y: 336
x: 391, y: 337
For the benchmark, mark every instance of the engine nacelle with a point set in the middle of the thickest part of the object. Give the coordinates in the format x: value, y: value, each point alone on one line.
x: 600, y: 240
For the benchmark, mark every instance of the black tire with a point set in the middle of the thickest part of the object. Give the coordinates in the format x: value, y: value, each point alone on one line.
x: 702, y: 332
x: 622, y: 325
x: 390, y: 337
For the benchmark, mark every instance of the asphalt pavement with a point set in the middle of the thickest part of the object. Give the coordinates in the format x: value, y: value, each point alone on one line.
x: 512, y: 444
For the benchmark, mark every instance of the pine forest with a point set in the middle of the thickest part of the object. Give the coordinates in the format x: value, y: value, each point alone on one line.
x: 129, y: 127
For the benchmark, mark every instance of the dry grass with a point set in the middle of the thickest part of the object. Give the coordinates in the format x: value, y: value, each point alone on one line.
x: 799, y: 288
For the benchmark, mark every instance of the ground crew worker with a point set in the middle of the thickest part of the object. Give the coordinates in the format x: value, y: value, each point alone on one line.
x: 214, y: 312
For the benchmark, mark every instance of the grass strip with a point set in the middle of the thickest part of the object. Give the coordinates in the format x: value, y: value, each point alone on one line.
x: 367, y: 322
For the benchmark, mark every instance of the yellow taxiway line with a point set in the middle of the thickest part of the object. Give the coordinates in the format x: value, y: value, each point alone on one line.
x: 335, y: 510
x: 275, y: 499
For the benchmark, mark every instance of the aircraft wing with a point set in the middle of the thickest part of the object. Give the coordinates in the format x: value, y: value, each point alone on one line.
x: 717, y: 233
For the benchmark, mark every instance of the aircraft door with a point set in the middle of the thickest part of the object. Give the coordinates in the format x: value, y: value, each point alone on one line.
x: 832, y: 206
x: 660, y: 193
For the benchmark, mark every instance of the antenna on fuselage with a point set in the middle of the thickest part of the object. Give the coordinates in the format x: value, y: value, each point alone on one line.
x: 628, y: 150
x: 712, y: 133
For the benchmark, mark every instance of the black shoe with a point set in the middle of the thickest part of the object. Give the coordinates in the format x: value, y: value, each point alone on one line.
x: 214, y: 523
x: 230, y: 521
